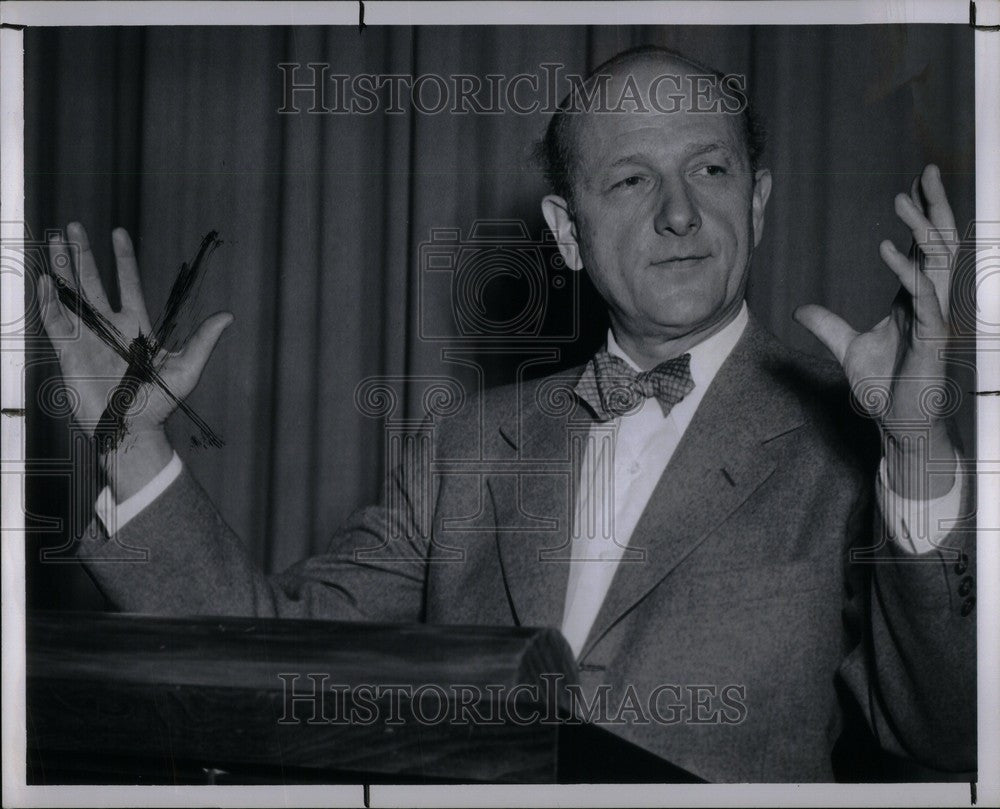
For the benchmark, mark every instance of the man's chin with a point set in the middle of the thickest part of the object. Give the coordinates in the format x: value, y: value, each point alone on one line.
x: 673, y: 321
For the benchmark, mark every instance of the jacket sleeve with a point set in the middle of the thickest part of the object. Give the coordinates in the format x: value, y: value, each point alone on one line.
x: 912, y: 667
x: 179, y: 557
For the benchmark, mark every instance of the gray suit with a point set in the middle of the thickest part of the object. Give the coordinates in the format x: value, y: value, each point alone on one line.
x: 744, y: 580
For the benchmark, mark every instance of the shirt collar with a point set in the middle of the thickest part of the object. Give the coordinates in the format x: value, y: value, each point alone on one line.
x: 707, y: 356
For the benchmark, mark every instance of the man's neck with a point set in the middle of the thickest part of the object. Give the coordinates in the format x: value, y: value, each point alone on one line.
x: 647, y: 351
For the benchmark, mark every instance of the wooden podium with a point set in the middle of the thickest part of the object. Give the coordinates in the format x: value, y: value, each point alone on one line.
x: 134, y: 699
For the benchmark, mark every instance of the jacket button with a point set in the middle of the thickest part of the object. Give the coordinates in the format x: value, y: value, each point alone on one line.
x: 968, y: 605
x: 966, y: 586
x: 962, y: 564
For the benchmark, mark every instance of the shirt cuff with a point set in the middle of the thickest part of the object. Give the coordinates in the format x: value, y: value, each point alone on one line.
x: 114, y: 517
x: 916, y: 525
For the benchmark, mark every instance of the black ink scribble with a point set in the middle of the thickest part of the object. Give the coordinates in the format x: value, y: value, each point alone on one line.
x: 181, y: 290
x: 140, y: 353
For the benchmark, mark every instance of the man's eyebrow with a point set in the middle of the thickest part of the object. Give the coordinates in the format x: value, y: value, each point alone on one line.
x: 694, y: 151
x: 710, y: 147
x: 631, y: 158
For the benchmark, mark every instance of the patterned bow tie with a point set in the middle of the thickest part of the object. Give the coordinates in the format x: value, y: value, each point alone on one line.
x: 613, y: 388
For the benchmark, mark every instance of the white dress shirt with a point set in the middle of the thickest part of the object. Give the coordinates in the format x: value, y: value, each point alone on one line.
x: 641, y: 444
x: 622, y: 464
x: 608, y: 507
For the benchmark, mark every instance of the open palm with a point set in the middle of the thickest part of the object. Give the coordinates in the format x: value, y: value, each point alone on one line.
x: 895, y: 370
x: 91, y: 366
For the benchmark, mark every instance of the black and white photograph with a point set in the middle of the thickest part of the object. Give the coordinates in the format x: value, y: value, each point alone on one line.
x: 472, y: 396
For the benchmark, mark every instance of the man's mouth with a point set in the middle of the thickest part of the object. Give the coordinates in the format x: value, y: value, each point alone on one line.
x: 680, y: 262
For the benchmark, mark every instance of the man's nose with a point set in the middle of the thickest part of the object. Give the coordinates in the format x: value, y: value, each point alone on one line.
x: 677, y: 212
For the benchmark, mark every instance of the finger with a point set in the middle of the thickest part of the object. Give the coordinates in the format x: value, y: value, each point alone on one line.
x: 59, y: 261
x: 129, y: 285
x: 926, y: 303
x: 920, y: 226
x: 202, y: 343
x: 54, y: 318
x: 831, y: 330
x: 937, y: 246
x: 90, y: 278
x: 937, y: 255
x: 915, y: 194
x: 936, y: 200
x: 938, y: 211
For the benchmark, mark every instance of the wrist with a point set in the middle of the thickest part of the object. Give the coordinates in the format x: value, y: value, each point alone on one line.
x: 135, y: 462
x: 912, y: 455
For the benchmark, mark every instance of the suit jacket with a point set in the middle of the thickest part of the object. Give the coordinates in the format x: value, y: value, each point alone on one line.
x: 742, y: 619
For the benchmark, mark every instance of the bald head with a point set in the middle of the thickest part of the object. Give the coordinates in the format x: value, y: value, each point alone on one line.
x: 648, y: 80
x: 658, y: 197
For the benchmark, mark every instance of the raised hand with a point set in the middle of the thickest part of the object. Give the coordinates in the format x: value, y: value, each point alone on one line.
x: 92, y: 367
x: 896, y: 370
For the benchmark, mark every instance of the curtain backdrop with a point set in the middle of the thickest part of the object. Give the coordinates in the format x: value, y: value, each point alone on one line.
x: 172, y: 132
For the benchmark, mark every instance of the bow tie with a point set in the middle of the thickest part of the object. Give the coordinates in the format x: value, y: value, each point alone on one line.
x: 613, y: 388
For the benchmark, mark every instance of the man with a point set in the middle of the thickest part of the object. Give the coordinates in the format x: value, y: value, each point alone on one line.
x: 716, y: 557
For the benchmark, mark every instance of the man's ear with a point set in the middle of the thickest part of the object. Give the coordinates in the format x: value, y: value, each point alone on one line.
x: 556, y: 211
x: 761, y: 193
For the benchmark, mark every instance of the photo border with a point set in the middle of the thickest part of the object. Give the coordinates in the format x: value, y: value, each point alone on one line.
x: 14, y: 16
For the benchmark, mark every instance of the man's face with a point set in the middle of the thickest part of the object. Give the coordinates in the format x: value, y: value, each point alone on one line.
x: 665, y: 215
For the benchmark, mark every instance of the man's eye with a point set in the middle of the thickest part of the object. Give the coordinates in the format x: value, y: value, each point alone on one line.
x: 630, y: 182
x: 712, y: 170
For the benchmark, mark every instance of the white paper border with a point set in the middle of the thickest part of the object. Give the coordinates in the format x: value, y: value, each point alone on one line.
x: 635, y: 12
x: 784, y: 12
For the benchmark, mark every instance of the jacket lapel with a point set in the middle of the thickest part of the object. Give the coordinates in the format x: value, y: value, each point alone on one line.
x: 721, y: 460
x: 533, y: 501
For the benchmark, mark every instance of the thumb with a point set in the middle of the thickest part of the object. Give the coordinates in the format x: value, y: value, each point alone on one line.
x: 202, y: 343
x: 830, y: 329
